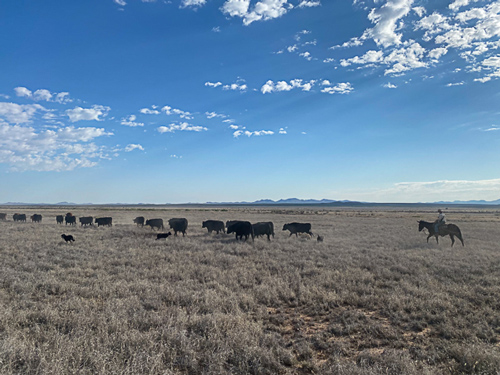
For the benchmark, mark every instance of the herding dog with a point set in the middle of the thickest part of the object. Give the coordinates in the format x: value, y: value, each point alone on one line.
x: 68, y: 238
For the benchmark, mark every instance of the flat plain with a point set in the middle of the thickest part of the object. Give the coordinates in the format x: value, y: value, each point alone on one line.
x: 372, y: 298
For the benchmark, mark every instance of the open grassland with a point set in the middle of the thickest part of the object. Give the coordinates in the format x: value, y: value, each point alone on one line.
x: 373, y: 298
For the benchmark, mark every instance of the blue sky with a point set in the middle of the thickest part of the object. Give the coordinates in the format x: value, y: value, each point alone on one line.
x: 238, y: 100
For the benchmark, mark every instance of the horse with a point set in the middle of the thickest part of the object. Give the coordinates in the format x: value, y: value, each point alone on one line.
x: 444, y: 230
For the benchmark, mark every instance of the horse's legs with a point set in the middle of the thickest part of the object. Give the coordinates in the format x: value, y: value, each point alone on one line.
x: 452, y: 239
x: 429, y: 236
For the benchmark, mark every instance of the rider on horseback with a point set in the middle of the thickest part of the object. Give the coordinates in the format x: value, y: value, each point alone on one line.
x: 441, y: 220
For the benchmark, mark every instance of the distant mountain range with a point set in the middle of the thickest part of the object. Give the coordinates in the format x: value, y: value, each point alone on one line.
x: 289, y: 201
x: 471, y: 202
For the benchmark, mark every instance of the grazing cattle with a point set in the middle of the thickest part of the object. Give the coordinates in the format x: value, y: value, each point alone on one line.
x: 155, y: 223
x: 68, y: 238
x: 36, y: 218
x: 3, y: 217
x: 162, y: 235
x: 59, y: 219
x: 240, y: 229
x: 86, y: 220
x: 214, y: 225
x: 19, y: 217
x: 296, y: 228
x: 178, y: 225
x: 263, y: 228
x: 230, y: 222
x: 70, y: 219
x: 139, y: 220
x: 104, y: 221
x: 320, y: 238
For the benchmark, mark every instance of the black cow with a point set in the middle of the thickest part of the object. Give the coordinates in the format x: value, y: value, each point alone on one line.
x: 104, y: 221
x: 36, y: 218
x: 59, y: 219
x: 86, y: 220
x: 68, y: 238
x: 178, y: 225
x: 296, y: 228
x: 19, y: 217
x: 163, y: 235
x: 70, y: 219
x: 139, y: 220
x: 214, y: 225
x: 240, y: 229
x: 3, y: 217
x: 264, y: 228
x: 155, y: 223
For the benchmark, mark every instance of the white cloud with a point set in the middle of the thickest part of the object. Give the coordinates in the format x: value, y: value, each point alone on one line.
x: 455, y: 84
x: 120, y: 2
x: 63, y: 149
x: 436, y: 53
x: 130, y: 121
x: 340, y: 88
x: 132, y: 147
x: 261, y: 11
x: 174, y: 111
x: 457, y: 4
x: 306, y: 55
x: 385, y: 19
x: 147, y: 111
x: 192, y: 3
x: 214, y: 114
x: 23, y: 92
x: 389, y: 85
x: 183, y: 126
x: 257, y: 133
x: 282, y: 131
x: 213, y: 84
x: 309, y: 4
x: 43, y: 95
x: 88, y: 114
x: 235, y: 87
x: 19, y: 113
x: 270, y: 86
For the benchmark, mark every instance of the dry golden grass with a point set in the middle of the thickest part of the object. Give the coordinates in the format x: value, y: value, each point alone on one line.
x: 373, y: 298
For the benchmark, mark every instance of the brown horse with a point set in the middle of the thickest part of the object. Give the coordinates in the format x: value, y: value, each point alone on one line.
x: 444, y: 230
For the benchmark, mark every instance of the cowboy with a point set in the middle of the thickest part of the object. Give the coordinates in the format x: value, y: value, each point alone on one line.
x: 441, y: 220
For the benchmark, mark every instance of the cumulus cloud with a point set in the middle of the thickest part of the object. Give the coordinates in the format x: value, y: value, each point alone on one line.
x: 120, y: 2
x: 19, y: 113
x: 235, y: 87
x: 23, y: 92
x: 183, y: 126
x: 193, y: 3
x: 340, y: 88
x: 175, y: 111
x: 213, y: 84
x: 88, y: 114
x: 147, y: 111
x: 130, y: 121
x: 385, y: 19
x: 309, y: 4
x: 261, y: 11
x: 270, y: 86
x: 257, y: 133
x: 214, y: 114
x: 43, y: 95
x: 132, y: 147
x: 389, y: 85
x: 63, y: 149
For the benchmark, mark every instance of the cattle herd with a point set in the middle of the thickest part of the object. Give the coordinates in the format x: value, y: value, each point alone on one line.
x: 241, y: 229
